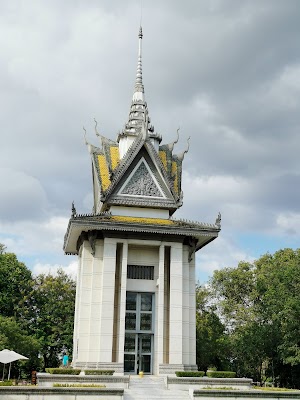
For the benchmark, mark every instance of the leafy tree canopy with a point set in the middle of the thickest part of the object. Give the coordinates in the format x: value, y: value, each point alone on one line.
x: 52, y: 315
x: 260, y: 305
x: 15, y: 283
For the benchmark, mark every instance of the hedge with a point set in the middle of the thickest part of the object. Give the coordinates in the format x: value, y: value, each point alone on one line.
x: 191, y: 374
x: 63, y: 371
x: 221, y: 374
x: 6, y: 383
x: 98, y: 372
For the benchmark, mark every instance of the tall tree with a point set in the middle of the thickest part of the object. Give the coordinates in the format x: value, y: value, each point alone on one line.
x: 211, y: 340
x: 52, y: 306
x: 12, y: 336
x: 15, y: 284
x: 260, y: 305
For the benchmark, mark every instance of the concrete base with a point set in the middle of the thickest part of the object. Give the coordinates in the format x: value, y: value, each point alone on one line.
x: 47, y: 380
x: 170, y: 369
x: 245, y: 395
x: 209, y: 383
x: 37, y: 393
x: 112, y: 366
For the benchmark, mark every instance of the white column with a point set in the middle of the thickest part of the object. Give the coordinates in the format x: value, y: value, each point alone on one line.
x: 121, y: 336
x: 77, y: 303
x: 160, y: 307
x: 96, y: 298
x: 85, y: 303
x: 107, y: 302
x: 186, y: 307
x: 192, y: 312
x: 175, y: 340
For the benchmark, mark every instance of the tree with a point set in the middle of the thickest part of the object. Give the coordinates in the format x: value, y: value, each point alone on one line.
x: 52, y: 307
x: 15, y: 283
x: 260, y: 305
x: 2, y: 248
x: 12, y: 336
x: 211, y: 340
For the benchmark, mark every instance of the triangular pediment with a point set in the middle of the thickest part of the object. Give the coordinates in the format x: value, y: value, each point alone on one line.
x: 140, y: 180
x: 142, y: 183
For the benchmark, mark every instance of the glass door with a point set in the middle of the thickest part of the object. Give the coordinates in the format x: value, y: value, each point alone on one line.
x: 145, y: 353
x: 138, y: 348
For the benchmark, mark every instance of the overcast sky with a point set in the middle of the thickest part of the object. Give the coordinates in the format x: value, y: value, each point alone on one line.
x: 226, y: 71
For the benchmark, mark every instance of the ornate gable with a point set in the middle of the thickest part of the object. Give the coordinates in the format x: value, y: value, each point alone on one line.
x: 141, y: 182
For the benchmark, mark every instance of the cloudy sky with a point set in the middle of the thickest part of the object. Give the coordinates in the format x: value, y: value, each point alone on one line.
x: 226, y: 71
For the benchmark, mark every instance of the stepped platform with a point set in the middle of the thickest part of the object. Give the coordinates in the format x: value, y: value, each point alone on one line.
x: 152, y: 388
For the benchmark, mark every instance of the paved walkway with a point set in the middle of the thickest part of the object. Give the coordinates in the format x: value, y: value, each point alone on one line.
x: 152, y: 388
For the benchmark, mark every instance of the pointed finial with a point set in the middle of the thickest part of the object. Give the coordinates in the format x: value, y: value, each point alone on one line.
x: 74, y: 212
x: 139, y: 87
x: 141, y: 33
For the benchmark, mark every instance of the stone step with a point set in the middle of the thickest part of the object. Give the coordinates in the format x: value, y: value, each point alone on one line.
x: 152, y: 388
x: 158, y: 395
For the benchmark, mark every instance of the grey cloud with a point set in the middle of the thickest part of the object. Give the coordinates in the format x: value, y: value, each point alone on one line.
x: 225, y: 71
x: 22, y: 196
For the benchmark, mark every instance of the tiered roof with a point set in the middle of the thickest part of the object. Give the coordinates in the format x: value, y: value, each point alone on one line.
x: 136, y: 171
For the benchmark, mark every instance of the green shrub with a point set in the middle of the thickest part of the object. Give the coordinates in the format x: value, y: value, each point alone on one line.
x: 63, y: 371
x: 6, y: 383
x: 221, y: 374
x: 212, y: 368
x: 218, y: 388
x: 191, y: 374
x: 99, y: 372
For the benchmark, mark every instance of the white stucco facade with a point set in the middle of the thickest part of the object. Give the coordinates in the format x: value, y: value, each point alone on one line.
x: 102, y: 284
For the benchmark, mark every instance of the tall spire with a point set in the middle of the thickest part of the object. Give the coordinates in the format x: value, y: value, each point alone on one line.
x: 138, y: 120
x: 139, y: 87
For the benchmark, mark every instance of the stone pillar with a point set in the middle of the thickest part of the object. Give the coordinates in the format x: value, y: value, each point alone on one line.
x: 77, y: 309
x: 186, y: 307
x: 85, y: 300
x: 192, y: 314
x: 160, y: 307
x: 95, y: 279
x: 175, y: 340
x: 121, y: 336
x: 107, y: 300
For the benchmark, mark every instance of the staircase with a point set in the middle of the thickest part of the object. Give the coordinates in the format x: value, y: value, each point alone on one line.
x: 152, y: 388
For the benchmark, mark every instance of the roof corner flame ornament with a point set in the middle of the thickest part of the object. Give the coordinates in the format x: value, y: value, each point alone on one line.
x: 181, y: 156
x: 96, y: 124
x: 218, y: 220
x: 171, y: 145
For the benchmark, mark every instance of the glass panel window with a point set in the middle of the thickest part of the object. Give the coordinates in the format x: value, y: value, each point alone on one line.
x: 129, y: 343
x: 130, y: 321
x: 146, y: 301
x: 146, y: 344
x: 146, y: 363
x: 146, y: 322
x: 129, y: 362
x: 130, y: 301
